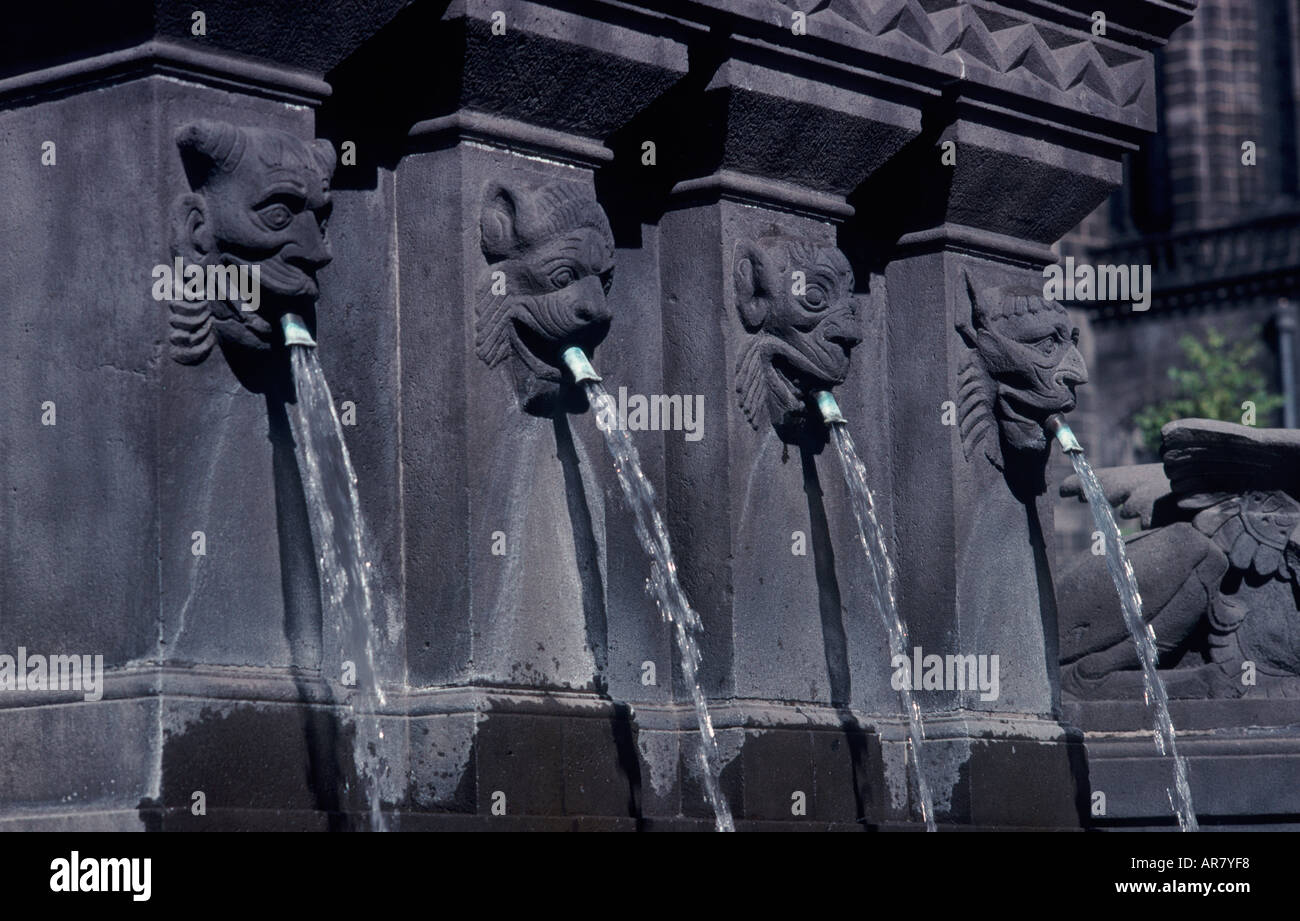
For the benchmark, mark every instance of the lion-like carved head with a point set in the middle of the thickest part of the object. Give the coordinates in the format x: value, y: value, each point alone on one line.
x: 550, y: 257
x: 257, y: 197
x: 1023, y: 367
x: 795, y: 299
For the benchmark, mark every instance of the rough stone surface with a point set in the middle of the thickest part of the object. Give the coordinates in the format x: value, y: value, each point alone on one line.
x: 534, y: 684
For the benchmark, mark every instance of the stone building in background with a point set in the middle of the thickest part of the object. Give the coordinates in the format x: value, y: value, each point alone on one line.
x: 1222, y: 237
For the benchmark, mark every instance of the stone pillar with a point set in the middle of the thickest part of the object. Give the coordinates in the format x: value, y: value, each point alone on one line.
x: 153, y: 520
x: 758, y: 507
x: 975, y: 204
x: 527, y: 622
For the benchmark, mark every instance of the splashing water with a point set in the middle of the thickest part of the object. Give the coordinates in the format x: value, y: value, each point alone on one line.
x: 1121, y: 573
x: 668, y: 593
x: 344, y: 557
x: 872, y: 538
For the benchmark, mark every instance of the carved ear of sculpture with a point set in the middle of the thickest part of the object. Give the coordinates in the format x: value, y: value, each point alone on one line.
x: 192, y: 335
x: 326, y: 158
x: 499, y: 221
x: 752, y: 290
x: 191, y: 233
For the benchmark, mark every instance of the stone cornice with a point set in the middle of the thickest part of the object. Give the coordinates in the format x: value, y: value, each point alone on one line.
x: 223, y: 70
x: 974, y: 241
x: 1018, y: 50
x: 509, y: 134
x: 743, y: 188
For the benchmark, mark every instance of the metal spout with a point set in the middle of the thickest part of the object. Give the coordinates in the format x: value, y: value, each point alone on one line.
x: 295, y: 331
x: 1059, y: 429
x: 575, y: 359
x: 827, y: 406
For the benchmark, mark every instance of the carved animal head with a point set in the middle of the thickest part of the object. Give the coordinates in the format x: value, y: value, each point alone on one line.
x: 796, y: 301
x: 258, y: 197
x: 1024, y: 365
x: 550, y: 258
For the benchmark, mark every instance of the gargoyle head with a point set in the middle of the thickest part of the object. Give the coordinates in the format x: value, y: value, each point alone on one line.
x: 257, y: 197
x: 796, y: 301
x: 1023, y: 366
x: 550, y: 258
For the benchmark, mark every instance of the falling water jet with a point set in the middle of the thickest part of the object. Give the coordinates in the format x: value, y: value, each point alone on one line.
x: 872, y: 538
x: 671, y: 599
x: 1144, y: 637
x: 343, y: 550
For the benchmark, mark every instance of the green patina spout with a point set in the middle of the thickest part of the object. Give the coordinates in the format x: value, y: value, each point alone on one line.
x: 827, y: 406
x: 575, y: 359
x: 1059, y: 429
x: 295, y: 331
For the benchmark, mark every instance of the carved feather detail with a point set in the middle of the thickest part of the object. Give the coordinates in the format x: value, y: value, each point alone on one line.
x: 1253, y: 532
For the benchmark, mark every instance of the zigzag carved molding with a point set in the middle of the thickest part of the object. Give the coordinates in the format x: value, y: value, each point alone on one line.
x: 1062, y: 60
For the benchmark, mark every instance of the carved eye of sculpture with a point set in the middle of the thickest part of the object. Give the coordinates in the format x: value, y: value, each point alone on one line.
x: 1049, y: 345
x: 562, y: 276
x: 277, y: 212
x: 816, y: 298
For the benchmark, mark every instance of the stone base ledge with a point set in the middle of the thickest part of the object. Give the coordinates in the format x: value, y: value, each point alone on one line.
x: 1243, y: 762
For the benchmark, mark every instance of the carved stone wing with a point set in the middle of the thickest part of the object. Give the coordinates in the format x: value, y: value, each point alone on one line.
x: 1254, y: 530
x: 1206, y: 456
x: 1239, y: 482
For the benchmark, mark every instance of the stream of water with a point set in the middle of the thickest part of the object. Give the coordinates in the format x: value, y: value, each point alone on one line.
x: 872, y: 538
x: 1121, y: 573
x: 344, y: 556
x: 667, y: 591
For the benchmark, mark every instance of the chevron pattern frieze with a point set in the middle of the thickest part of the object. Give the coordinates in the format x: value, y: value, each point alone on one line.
x: 1063, y: 60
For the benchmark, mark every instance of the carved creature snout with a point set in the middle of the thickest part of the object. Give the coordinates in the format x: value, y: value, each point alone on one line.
x: 1072, y: 371
x: 837, y: 335
x: 579, y: 304
x: 293, y: 271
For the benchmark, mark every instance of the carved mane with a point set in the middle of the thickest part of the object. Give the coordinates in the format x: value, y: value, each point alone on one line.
x: 976, y: 391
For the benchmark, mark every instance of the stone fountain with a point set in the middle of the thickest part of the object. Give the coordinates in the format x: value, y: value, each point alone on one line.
x: 727, y: 204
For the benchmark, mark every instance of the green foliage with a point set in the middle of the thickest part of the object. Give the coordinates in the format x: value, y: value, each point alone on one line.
x: 1216, y: 382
